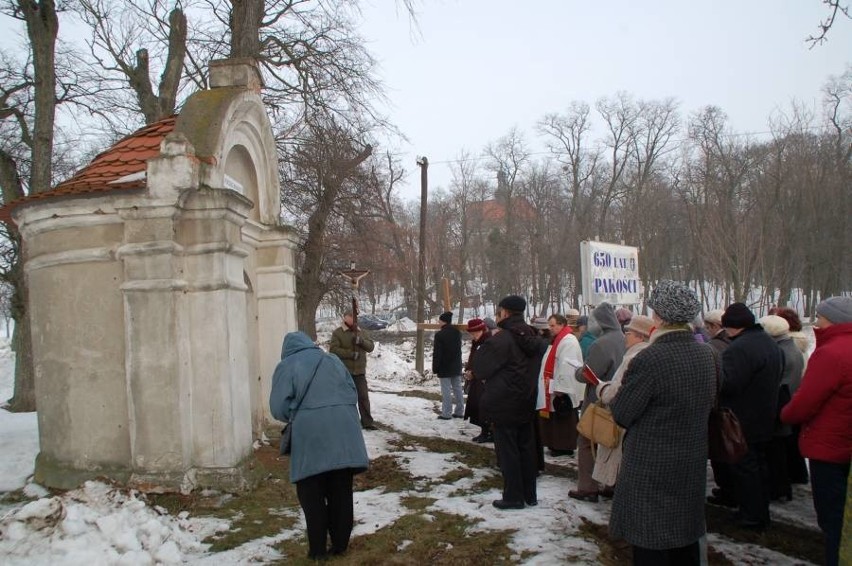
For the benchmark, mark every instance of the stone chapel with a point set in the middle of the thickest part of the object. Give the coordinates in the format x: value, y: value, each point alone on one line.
x: 161, y: 283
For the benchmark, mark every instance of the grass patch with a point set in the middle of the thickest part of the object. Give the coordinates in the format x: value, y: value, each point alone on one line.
x: 791, y: 540
x: 14, y: 497
x: 416, y: 502
x: 610, y: 552
x: 248, y: 512
x: 385, y: 472
x: 439, y: 538
x: 428, y: 395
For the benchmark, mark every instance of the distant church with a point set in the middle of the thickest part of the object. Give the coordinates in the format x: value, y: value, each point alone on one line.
x: 161, y: 285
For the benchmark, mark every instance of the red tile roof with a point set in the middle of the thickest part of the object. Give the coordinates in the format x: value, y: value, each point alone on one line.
x: 126, y: 157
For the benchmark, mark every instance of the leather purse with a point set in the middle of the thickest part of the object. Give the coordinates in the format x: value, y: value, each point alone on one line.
x: 598, y: 425
x: 725, y: 439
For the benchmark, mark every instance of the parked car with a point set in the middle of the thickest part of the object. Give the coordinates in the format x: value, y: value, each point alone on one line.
x: 371, y: 322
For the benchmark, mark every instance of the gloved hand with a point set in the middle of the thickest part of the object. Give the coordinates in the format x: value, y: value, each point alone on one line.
x: 355, y: 355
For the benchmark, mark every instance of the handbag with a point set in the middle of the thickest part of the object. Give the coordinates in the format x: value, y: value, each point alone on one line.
x: 286, y: 445
x: 598, y: 425
x: 725, y: 439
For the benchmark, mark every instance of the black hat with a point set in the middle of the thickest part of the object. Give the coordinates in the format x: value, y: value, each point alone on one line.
x: 446, y: 317
x: 513, y: 303
x: 737, y: 315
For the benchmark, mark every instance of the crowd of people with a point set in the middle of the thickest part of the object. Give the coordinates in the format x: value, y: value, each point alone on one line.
x: 529, y: 383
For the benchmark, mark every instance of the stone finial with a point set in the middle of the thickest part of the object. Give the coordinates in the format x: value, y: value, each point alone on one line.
x: 235, y: 72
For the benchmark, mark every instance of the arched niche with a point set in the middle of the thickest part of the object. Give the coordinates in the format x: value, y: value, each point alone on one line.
x: 241, y: 176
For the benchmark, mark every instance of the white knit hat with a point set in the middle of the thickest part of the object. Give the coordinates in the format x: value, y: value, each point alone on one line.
x: 774, y: 325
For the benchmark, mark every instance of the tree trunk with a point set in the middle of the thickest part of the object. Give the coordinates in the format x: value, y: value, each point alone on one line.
x: 42, y: 27
x: 246, y: 21
x: 23, y: 398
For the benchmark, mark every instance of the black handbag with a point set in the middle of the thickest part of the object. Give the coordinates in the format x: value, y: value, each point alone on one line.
x: 725, y: 439
x: 286, y: 445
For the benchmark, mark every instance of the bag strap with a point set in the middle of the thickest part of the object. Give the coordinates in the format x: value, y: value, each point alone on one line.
x: 305, y: 394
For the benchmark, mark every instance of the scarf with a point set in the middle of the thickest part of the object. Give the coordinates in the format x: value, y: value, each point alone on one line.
x: 549, y: 364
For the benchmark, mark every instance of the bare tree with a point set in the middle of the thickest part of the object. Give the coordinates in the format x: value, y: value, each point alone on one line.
x: 318, y: 191
x: 835, y: 8
x: 35, y: 125
x: 120, y: 33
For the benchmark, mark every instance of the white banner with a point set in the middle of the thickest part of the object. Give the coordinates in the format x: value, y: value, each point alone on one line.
x: 610, y: 273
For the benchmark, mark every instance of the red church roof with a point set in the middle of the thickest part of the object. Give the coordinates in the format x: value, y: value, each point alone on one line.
x: 121, y: 167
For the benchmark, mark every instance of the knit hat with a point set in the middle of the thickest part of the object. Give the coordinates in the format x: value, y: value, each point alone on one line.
x: 475, y: 325
x: 641, y: 324
x: 513, y: 303
x: 673, y: 302
x: 775, y: 325
x: 737, y: 315
x: 539, y: 323
x: 714, y: 316
x: 836, y: 309
x: 446, y: 317
x: 623, y: 315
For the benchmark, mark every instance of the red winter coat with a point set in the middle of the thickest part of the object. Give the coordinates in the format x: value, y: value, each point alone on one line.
x: 823, y: 402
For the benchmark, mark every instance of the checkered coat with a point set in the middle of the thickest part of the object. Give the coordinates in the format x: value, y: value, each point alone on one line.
x: 664, y: 402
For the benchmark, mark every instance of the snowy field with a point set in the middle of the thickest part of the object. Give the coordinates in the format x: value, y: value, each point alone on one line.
x: 99, y: 524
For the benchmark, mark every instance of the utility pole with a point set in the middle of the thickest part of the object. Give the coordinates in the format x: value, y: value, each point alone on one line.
x: 423, y: 163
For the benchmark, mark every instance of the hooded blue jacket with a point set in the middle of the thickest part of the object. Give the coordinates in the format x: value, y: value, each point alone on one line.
x: 326, y: 426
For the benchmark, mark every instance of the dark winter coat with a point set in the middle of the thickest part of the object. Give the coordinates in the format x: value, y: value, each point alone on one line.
x: 664, y: 402
x: 476, y: 389
x: 823, y: 402
x: 313, y: 391
x: 509, y: 363
x: 354, y: 356
x: 721, y: 341
x: 751, y: 376
x: 606, y: 351
x: 446, y: 357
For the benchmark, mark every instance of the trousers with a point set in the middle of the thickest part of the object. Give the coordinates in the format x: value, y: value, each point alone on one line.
x: 326, y: 500
x: 515, y: 445
x: 363, y: 399
x: 451, y: 392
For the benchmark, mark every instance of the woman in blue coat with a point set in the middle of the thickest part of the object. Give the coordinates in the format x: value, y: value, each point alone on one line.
x: 313, y: 391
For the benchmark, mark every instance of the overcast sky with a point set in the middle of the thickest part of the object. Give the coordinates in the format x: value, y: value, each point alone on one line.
x: 477, y: 68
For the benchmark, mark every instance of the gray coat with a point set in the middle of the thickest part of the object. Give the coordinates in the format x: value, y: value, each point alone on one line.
x: 664, y: 402
x: 606, y: 351
x: 794, y: 368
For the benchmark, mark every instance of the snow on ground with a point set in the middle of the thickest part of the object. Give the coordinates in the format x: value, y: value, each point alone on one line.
x: 101, y: 524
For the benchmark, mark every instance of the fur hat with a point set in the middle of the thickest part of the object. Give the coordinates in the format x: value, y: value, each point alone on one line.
x: 582, y: 320
x: 714, y: 316
x: 446, y: 317
x: 513, y: 303
x: 623, y: 315
x: 475, y: 325
x: 775, y: 325
x: 489, y: 323
x: 539, y: 323
x: 674, y: 302
x: 737, y: 315
x: 836, y: 309
x: 644, y: 325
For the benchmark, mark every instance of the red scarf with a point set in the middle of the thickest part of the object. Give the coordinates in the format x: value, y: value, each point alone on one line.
x: 549, y: 364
